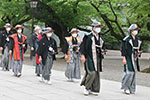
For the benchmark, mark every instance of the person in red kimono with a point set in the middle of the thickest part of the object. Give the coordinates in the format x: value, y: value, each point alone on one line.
x: 17, y: 48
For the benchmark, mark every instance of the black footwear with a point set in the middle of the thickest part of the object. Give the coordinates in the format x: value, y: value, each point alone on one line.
x: 38, y: 75
x: 132, y: 93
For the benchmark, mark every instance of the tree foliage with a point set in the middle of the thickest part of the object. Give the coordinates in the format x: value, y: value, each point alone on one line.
x: 62, y: 15
x: 13, y: 11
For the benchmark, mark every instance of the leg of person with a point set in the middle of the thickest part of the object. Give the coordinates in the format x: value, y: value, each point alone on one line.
x: 50, y: 68
x: 33, y: 60
x: 77, y: 73
x: 132, y: 87
x: 41, y: 79
x: 37, y: 69
x: 46, y: 69
x: 96, y: 84
x: 45, y: 76
x: 20, y: 67
x: 2, y: 62
x: 10, y: 63
x: 123, y: 83
x: 7, y: 58
x: 7, y: 64
x: 88, y: 79
x: 69, y: 71
x: 15, y: 67
x: 84, y: 78
x: 86, y: 92
x: 126, y: 82
x: 41, y: 66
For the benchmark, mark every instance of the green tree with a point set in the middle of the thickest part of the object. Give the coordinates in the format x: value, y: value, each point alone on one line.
x: 12, y: 11
x: 62, y: 15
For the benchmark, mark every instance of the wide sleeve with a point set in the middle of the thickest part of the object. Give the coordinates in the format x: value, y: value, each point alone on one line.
x: 31, y: 42
x: 36, y: 43
x: 65, y: 47
x: 11, y: 44
x: 26, y: 46
x: 140, y: 49
x: 103, y: 47
x: 40, y: 50
x: 1, y: 38
x: 123, y: 48
x: 83, y: 45
x: 55, y: 47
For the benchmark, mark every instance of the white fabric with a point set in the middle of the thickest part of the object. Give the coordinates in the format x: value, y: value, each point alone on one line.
x: 95, y: 22
x: 19, y: 35
x: 19, y: 31
x: 7, y: 39
x: 8, y: 29
x: 98, y: 30
x: 132, y: 27
x: 49, y: 34
x: 7, y: 24
x: 74, y: 29
x: 50, y: 49
x: 18, y: 26
x: 135, y: 32
x: 94, y: 53
x: 74, y: 35
x: 37, y: 27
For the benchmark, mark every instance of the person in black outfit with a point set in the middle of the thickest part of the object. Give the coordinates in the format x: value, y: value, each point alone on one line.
x: 47, y: 50
x: 4, y: 43
x: 32, y: 43
x: 92, y: 52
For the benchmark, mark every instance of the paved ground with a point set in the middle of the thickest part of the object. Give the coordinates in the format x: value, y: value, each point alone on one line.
x: 28, y: 87
x: 113, y: 67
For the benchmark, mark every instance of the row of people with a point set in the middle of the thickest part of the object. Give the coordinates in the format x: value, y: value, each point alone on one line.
x: 90, y: 51
x: 13, y: 46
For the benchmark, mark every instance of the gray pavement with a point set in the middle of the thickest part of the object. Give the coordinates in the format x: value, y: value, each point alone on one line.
x: 28, y: 87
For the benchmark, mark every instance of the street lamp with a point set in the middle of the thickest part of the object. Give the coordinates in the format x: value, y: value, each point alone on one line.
x: 33, y: 4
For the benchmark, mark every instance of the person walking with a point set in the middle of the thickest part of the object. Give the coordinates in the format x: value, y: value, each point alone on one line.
x: 4, y: 43
x: 92, y: 52
x: 39, y: 65
x: 47, y: 50
x: 72, y: 55
x: 33, y: 45
x: 17, y: 48
x: 131, y: 50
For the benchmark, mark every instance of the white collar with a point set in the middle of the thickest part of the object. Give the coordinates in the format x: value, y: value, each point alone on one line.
x: 19, y: 35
